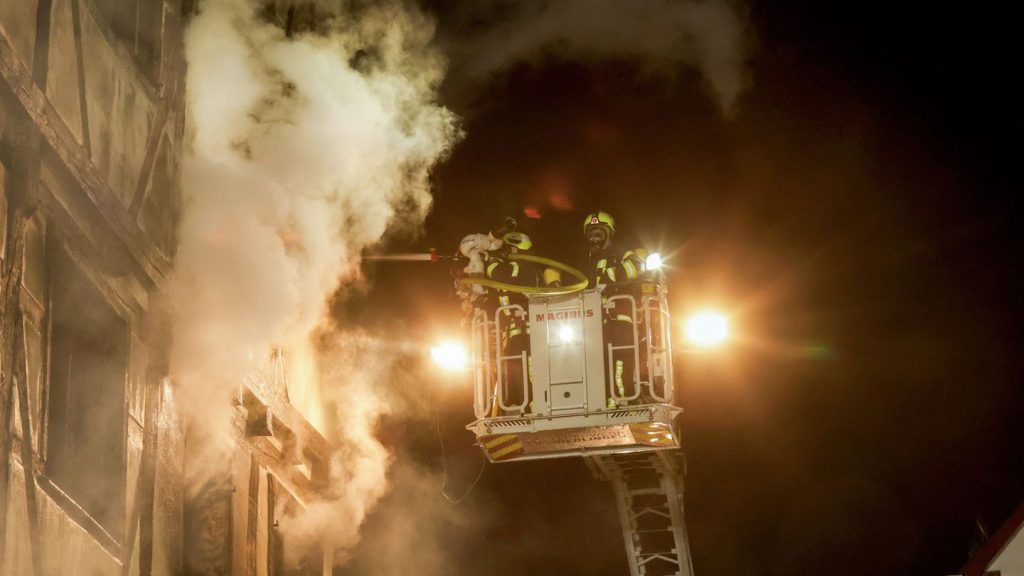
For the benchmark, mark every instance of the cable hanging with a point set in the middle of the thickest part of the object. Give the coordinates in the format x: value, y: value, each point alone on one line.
x: 444, y: 467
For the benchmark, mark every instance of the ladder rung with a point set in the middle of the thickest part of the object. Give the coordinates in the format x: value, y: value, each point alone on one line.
x: 644, y: 491
x: 644, y: 482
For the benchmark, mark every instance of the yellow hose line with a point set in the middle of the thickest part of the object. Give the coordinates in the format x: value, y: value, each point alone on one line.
x: 542, y: 290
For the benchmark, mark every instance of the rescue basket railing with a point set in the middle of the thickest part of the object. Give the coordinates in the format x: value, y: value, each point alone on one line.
x: 502, y: 362
x: 503, y: 384
x: 651, y: 343
x: 658, y: 347
x: 493, y: 387
x: 481, y: 360
x: 612, y: 348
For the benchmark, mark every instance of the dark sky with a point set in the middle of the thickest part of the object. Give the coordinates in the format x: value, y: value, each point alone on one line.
x: 855, y: 217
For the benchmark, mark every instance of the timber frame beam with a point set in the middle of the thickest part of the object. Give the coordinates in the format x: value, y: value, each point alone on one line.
x: 58, y: 137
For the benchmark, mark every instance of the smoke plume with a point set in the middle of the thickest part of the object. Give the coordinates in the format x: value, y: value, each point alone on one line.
x: 368, y: 467
x: 360, y: 369
x: 710, y: 36
x: 414, y: 531
x: 305, y: 148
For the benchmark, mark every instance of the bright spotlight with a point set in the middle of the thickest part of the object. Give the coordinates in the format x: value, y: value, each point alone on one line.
x: 565, y: 334
x: 653, y: 261
x: 450, y: 355
x: 707, y: 329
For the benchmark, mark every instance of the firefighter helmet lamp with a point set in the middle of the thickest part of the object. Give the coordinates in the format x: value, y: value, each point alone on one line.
x: 653, y: 261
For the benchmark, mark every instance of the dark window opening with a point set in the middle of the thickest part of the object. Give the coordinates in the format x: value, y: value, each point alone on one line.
x: 86, y: 421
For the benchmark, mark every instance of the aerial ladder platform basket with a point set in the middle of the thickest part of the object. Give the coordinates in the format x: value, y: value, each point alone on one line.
x: 561, y: 397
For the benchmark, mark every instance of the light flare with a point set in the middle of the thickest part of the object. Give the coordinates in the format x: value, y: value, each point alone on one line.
x: 450, y: 355
x: 707, y: 329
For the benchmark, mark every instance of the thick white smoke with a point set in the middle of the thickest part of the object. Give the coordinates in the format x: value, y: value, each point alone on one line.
x: 710, y: 36
x: 304, y: 151
x: 359, y: 368
x: 369, y: 379
x: 297, y: 162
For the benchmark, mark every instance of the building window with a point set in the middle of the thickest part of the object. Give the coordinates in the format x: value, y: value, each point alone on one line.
x: 87, y: 406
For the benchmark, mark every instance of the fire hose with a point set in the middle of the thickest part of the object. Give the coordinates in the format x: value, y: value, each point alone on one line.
x: 582, y: 283
x: 468, y: 281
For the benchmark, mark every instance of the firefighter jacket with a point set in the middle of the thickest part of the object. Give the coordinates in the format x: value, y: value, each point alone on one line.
x: 609, y: 267
x: 521, y: 273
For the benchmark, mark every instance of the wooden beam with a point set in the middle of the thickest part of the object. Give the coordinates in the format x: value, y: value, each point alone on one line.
x: 146, y: 480
x: 171, y: 73
x: 76, y: 161
x: 21, y: 149
x: 252, y: 515
x: 308, y: 436
x: 79, y: 516
x: 28, y: 465
x: 268, y: 456
x: 146, y: 171
x: 83, y: 104
x: 9, y: 313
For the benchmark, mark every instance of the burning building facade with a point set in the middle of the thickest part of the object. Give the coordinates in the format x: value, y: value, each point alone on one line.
x: 94, y: 446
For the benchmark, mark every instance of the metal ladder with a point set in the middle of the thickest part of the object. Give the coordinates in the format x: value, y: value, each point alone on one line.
x: 648, y: 489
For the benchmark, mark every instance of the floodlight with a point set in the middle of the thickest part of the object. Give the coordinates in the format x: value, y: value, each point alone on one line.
x: 450, y: 355
x: 707, y: 329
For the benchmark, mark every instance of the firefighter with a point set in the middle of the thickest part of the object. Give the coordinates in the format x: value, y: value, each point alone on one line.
x: 512, y: 324
x: 607, y: 267
x: 605, y: 264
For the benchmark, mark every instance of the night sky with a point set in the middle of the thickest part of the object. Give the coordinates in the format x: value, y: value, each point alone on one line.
x: 855, y: 218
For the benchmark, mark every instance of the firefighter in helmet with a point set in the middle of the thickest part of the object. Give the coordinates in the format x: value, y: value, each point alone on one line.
x: 513, y: 326
x: 607, y: 266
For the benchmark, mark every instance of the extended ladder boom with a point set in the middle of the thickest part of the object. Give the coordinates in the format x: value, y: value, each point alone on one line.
x: 648, y: 489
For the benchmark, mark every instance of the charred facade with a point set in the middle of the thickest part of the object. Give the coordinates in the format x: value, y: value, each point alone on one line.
x: 94, y: 448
